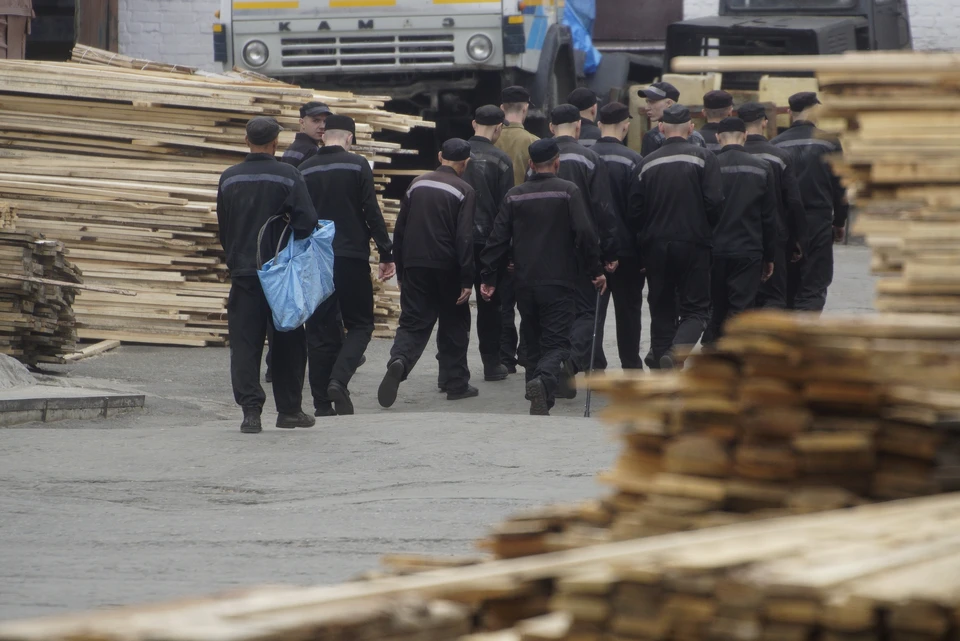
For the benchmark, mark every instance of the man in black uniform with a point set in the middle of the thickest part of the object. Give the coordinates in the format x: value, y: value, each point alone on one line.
x: 791, y: 219
x: 626, y: 284
x: 661, y: 96
x: 248, y: 195
x: 824, y: 200
x: 675, y: 202
x: 433, y: 249
x: 745, y: 238
x: 717, y: 105
x: 313, y: 116
x: 586, y: 101
x: 553, y: 246
x: 490, y: 173
x: 584, y: 168
x: 341, y: 186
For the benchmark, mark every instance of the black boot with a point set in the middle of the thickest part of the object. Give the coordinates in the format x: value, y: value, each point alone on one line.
x: 493, y: 370
x: 290, y: 421
x: 567, y: 386
x: 387, y: 394
x: 251, y: 421
x: 537, y: 395
x: 340, y: 395
x: 468, y: 392
x: 324, y: 409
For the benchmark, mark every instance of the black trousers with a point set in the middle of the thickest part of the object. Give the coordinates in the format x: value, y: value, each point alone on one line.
x: 734, y: 283
x: 512, y: 342
x: 428, y: 297
x: 581, y: 333
x: 248, y: 316
x: 626, y: 288
x: 773, y: 293
x: 816, y: 272
x: 548, y: 314
x: 678, y: 276
x: 333, y: 354
x: 489, y: 320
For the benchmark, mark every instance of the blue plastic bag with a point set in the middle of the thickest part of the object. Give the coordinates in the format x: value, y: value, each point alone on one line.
x: 580, y: 15
x: 299, y: 278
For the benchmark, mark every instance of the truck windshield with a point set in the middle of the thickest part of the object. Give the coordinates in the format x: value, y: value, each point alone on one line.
x: 790, y: 5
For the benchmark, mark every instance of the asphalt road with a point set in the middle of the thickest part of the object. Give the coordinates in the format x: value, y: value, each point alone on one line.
x: 175, y: 501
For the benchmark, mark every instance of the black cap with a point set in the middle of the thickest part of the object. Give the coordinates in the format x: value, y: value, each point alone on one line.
x: 543, y: 150
x: 314, y: 109
x: 582, y: 98
x: 803, y: 100
x: 513, y: 94
x: 488, y: 115
x: 752, y: 112
x: 341, y: 123
x: 564, y: 115
x: 455, y: 149
x: 675, y: 115
x: 263, y: 130
x: 717, y: 99
x: 662, y: 91
x: 614, y: 113
x: 731, y: 125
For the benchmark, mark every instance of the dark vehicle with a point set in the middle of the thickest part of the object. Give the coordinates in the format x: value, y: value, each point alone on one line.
x: 790, y: 27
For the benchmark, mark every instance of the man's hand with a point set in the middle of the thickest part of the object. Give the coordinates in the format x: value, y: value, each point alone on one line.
x: 767, y: 272
x: 600, y: 282
x: 387, y: 271
x: 612, y: 266
x: 511, y: 267
x: 797, y: 254
x: 464, y: 295
x: 487, y: 291
x: 839, y: 233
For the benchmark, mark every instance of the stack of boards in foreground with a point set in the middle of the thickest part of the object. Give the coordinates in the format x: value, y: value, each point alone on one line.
x: 884, y: 572
x: 792, y: 414
x: 122, y: 165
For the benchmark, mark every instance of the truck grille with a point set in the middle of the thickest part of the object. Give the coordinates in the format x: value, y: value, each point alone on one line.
x: 373, y: 51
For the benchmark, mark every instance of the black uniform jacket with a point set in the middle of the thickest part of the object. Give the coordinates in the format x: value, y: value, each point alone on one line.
x: 584, y: 169
x: 653, y: 140
x: 748, y: 225
x: 435, y: 225
x: 302, y: 148
x: 589, y: 133
x: 676, y: 195
x: 546, y: 220
x: 490, y: 173
x: 824, y: 198
x: 792, y: 221
x: 249, y: 194
x: 341, y: 185
x: 621, y: 163
x: 709, y: 134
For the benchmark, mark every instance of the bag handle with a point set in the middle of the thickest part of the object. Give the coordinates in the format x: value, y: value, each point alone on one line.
x: 263, y: 229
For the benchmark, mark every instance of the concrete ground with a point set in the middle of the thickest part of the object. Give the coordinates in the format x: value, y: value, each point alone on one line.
x: 174, y: 500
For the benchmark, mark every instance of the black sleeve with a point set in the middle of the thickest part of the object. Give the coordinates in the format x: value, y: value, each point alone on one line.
x: 505, y: 182
x: 647, y: 145
x: 768, y: 218
x: 299, y: 206
x: 796, y: 214
x: 587, y: 243
x: 841, y: 208
x: 497, y: 248
x: 712, y: 185
x: 465, y: 257
x: 398, y: 231
x: 635, y: 216
x: 221, y: 219
x: 372, y: 214
x: 603, y: 213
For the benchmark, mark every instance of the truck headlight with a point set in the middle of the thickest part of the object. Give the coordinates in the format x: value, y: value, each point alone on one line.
x: 255, y: 53
x: 480, y: 47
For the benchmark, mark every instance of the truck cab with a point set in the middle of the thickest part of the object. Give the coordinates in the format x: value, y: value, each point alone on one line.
x: 790, y: 27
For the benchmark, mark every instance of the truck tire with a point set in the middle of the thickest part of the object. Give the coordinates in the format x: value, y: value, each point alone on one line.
x: 557, y: 74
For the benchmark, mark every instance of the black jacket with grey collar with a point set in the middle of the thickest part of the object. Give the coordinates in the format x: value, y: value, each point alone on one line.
x: 490, y: 173
x: 677, y: 195
x: 621, y: 163
x: 748, y: 225
x: 300, y: 150
x: 583, y: 168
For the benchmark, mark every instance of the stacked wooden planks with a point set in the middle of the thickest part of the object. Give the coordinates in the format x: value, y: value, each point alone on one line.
x: 791, y: 414
x: 122, y: 164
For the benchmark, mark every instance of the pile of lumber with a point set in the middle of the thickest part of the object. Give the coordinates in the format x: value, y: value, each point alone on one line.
x: 791, y: 414
x: 37, y: 323
x: 121, y: 161
x: 889, y: 571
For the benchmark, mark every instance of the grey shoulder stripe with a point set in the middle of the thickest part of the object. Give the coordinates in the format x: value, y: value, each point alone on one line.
x: 774, y: 159
x: 664, y: 160
x: 253, y: 178
x: 331, y: 167
x: 743, y: 169
x: 806, y: 142
x: 290, y: 153
x: 623, y: 160
x: 538, y: 195
x: 577, y: 158
x: 435, y: 184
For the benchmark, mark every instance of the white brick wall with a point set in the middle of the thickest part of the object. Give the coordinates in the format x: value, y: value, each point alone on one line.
x: 935, y: 23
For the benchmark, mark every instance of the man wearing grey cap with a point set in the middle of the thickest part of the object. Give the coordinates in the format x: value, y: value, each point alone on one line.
x: 433, y: 250
x: 249, y: 194
x: 675, y: 202
x: 313, y: 115
x: 660, y: 96
x: 824, y: 199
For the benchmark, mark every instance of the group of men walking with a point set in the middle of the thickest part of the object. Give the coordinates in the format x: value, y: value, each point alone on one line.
x: 713, y: 222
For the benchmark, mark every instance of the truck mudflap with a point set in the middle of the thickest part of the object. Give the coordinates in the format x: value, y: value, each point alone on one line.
x: 557, y: 72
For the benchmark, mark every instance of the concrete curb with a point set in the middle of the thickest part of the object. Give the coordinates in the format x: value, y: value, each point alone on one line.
x: 17, y: 411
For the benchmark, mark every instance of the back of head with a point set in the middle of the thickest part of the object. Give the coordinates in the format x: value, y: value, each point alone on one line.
x: 731, y: 131
x: 717, y: 105
x: 803, y: 104
x: 340, y: 130
x: 515, y: 101
x: 583, y: 99
x: 455, y: 153
x: 544, y: 155
x: 676, y: 122
x: 262, y: 132
x: 565, y: 120
x: 753, y: 114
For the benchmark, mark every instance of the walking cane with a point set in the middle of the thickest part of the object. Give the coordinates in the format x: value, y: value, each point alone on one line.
x: 593, y: 352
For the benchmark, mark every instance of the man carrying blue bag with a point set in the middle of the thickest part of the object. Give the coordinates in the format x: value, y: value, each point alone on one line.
x: 250, y: 193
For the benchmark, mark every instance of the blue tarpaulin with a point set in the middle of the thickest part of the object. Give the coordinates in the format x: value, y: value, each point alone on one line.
x: 580, y: 15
